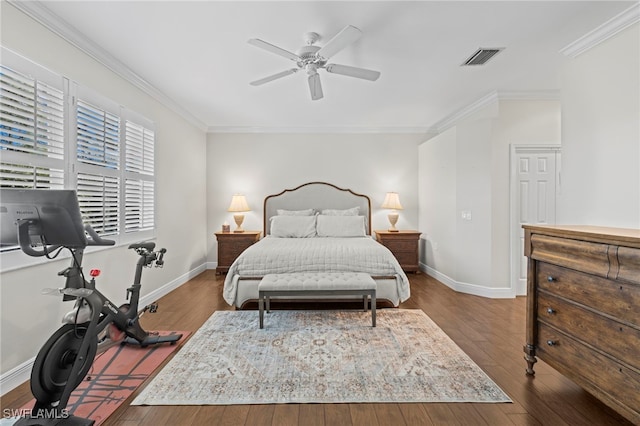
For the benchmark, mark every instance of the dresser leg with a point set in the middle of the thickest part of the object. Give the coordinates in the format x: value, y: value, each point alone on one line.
x: 530, y: 357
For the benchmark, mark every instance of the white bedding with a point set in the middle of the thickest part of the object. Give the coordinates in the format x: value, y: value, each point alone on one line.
x: 273, y: 255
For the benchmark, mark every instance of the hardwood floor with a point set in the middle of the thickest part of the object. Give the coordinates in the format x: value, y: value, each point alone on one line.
x: 490, y: 331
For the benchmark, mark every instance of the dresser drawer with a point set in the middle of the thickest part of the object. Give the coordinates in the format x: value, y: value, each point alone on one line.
x: 612, y: 337
x: 628, y: 261
x: 589, y: 257
x: 613, y: 382
x: 616, y: 298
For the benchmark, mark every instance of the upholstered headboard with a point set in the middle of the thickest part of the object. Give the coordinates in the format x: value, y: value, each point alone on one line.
x: 318, y: 196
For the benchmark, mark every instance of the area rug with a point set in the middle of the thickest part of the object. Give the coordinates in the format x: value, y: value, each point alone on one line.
x: 319, y: 357
x: 114, y: 376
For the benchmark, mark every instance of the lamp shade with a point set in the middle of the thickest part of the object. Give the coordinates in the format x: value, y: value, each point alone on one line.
x: 392, y: 201
x: 238, y: 204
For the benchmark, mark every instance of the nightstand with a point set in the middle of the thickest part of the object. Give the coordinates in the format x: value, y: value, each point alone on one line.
x: 404, y: 246
x: 231, y: 244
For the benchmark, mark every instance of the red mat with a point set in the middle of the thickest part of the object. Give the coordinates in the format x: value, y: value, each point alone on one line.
x: 114, y: 376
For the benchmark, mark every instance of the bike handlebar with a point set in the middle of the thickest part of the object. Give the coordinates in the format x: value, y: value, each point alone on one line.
x: 96, y: 240
x: 24, y: 239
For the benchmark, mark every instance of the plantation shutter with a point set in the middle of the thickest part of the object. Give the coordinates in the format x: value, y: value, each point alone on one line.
x: 31, y: 132
x: 98, y: 136
x: 140, y: 185
x: 98, y: 155
x: 99, y: 199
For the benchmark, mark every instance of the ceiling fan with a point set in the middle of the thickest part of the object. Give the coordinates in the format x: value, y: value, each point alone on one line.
x: 311, y: 58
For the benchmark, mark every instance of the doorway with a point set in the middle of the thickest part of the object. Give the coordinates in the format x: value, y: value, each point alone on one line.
x: 535, y: 184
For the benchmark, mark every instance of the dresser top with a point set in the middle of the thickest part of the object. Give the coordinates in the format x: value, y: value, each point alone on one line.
x: 600, y: 234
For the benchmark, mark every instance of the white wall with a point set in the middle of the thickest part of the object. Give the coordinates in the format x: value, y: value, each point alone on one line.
x: 467, y: 169
x: 27, y: 317
x: 601, y: 135
x: 258, y: 165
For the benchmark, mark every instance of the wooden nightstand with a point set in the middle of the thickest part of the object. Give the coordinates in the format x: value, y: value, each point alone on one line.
x: 231, y: 244
x: 404, y: 246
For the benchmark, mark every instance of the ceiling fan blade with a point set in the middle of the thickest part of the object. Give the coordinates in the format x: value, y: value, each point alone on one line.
x: 353, y: 71
x: 348, y: 35
x: 315, y: 87
x: 274, y: 77
x: 274, y: 49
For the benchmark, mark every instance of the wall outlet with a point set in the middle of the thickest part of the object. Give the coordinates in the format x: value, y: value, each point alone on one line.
x: 466, y: 215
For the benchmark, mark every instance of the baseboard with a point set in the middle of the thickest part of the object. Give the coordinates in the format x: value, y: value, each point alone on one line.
x: 20, y: 374
x: 467, y: 288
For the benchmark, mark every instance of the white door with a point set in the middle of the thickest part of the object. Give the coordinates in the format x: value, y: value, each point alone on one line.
x: 534, y: 185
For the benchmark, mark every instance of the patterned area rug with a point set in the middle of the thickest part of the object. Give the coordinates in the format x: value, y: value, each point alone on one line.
x: 319, y: 357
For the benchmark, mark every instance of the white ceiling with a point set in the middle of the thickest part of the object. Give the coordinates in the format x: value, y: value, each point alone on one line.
x: 196, y: 55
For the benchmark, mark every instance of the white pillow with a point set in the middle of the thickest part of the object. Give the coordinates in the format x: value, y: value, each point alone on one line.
x: 340, y: 226
x: 307, y: 212
x: 293, y: 226
x: 354, y: 211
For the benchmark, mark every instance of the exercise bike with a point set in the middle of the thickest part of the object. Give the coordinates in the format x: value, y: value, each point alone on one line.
x: 93, y: 325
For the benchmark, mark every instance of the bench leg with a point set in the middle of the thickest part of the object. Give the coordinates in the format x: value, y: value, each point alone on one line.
x: 365, y: 298
x: 373, y: 308
x: 261, y: 309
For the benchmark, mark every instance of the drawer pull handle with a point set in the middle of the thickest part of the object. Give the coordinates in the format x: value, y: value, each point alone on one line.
x: 551, y: 311
x: 552, y: 342
x: 550, y: 279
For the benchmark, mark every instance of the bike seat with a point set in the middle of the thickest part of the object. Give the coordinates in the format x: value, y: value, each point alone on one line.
x: 148, y: 245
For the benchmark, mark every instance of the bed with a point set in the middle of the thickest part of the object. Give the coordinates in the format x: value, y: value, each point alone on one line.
x: 316, y: 227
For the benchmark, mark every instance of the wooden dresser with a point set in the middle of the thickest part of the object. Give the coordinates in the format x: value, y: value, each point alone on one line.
x: 404, y: 246
x: 583, y: 309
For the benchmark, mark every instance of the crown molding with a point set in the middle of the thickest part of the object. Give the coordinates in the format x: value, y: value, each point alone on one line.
x: 39, y: 12
x: 605, y: 31
x: 491, y: 98
x: 452, y: 119
x: 323, y: 130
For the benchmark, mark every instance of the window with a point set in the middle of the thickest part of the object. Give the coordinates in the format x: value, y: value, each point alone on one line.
x: 55, y: 133
x: 31, y: 131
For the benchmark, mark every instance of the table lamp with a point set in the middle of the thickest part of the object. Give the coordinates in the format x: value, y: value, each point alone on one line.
x: 239, y: 206
x: 392, y: 201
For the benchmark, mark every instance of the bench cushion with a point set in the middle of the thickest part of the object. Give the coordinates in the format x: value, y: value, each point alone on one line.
x: 298, y: 281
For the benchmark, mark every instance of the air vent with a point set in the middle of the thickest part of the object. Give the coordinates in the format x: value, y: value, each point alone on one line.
x: 482, y: 56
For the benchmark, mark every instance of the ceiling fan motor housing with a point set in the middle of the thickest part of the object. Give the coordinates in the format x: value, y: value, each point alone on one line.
x: 308, y: 56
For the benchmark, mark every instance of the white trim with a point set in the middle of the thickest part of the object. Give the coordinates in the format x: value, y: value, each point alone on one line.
x: 20, y: 374
x: 38, y: 11
x: 491, y: 98
x: 323, y: 129
x: 605, y: 31
x: 459, y: 115
x: 468, y: 288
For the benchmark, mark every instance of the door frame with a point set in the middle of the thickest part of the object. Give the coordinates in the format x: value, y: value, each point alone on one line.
x: 514, y: 150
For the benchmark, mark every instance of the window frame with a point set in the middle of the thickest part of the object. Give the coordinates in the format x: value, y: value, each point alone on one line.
x: 71, y: 166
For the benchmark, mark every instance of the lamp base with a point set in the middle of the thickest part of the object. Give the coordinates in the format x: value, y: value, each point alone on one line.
x: 393, y: 219
x: 238, y: 218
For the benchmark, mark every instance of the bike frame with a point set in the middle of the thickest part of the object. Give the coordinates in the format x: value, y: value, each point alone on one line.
x: 90, y: 300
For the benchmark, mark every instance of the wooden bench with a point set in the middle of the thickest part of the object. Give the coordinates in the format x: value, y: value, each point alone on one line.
x: 317, y: 284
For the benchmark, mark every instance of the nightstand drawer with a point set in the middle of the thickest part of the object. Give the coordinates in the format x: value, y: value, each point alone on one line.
x: 398, y: 246
x: 404, y: 245
x: 231, y: 245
